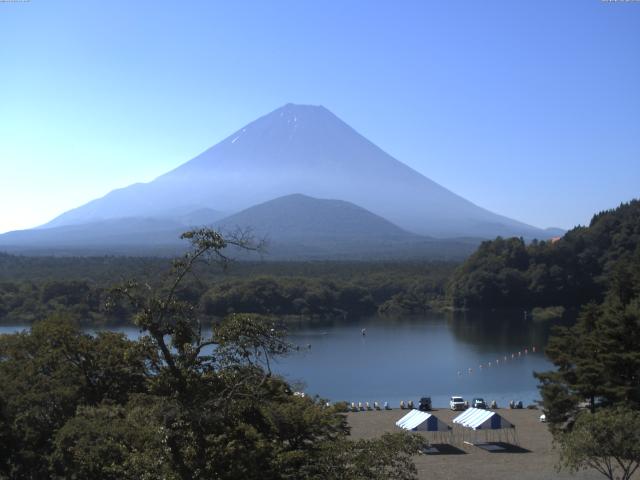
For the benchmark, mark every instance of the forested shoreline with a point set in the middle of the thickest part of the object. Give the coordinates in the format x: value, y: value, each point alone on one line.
x: 126, y: 408
x: 102, y: 406
x: 34, y: 287
x: 503, y: 273
x: 569, y: 271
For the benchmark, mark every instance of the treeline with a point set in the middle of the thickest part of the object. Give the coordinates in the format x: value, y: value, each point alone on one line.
x: 312, y: 296
x: 103, y: 270
x: 79, y: 406
x: 592, y: 398
x: 570, y: 271
x: 25, y: 302
x: 598, y: 358
x: 81, y: 288
x: 82, y: 406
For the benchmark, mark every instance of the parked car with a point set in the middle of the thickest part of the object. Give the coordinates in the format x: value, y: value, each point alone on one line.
x: 457, y: 403
x: 425, y: 404
x: 478, y: 403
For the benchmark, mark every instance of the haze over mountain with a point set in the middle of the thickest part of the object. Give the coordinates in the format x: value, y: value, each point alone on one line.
x: 296, y: 227
x: 129, y: 235
x: 276, y: 176
x: 302, y: 149
x: 300, y: 218
x: 301, y: 227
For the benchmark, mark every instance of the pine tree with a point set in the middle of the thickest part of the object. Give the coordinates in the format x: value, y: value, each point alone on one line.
x: 598, y: 359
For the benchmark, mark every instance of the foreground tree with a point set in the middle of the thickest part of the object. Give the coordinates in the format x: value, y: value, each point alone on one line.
x: 607, y: 441
x: 47, y: 373
x: 388, y: 457
x: 598, y: 359
x: 598, y: 362
x: 185, y: 401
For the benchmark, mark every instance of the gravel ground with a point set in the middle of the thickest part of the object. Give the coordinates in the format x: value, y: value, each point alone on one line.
x: 533, y: 458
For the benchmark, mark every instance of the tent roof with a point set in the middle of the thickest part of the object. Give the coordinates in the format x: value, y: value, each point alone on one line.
x: 480, y: 419
x: 423, y: 421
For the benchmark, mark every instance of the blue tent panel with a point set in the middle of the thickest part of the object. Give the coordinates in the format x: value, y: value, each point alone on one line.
x: 496, y: 422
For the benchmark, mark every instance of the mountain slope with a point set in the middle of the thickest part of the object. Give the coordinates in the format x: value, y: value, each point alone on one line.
x: 301, y: 227
x: 301, y: 218
x: 296, y: 227
x: 122, y: 235
x: 309, y: 150
x: 128, y: 235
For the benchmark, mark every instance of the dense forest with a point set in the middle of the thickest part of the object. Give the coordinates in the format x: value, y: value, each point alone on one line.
x: 569, y: 271
x: 34, y: 287
x: 592, y: 398
x: 598, y: 358
x: 77, y: 405
x: 80, y: 406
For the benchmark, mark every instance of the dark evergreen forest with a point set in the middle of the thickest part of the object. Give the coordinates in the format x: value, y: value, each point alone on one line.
x: 571, y: 271
x: 34, y: 287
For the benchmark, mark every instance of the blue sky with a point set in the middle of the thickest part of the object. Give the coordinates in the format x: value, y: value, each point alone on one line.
x: 529, y: 108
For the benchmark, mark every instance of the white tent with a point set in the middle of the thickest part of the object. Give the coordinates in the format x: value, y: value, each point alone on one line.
x: 419, y: 421
x: 478, y: 419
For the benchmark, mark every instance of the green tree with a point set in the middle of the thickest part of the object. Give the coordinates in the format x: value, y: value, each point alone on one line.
x: 212, y: 408
x: 111, y: 442
x: 47, y: 373
x: 575, y: 351
x: 570, y: 271
x: 188, y: 400
x: 607, y: 441
x: 388, y: 457
x: 597, y: 359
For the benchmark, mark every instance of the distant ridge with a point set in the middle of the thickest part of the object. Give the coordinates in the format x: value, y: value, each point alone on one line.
x: 299, y: 227
x: 302, y: 218
x: 296, y: 227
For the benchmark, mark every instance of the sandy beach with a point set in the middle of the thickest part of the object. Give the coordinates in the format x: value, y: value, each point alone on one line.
x: 532, y: 458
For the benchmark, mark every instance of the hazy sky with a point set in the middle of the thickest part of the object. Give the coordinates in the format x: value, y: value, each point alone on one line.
x: 528, y: 108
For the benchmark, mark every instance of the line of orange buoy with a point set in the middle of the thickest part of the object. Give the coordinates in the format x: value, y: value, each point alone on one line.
x: 505, y: 359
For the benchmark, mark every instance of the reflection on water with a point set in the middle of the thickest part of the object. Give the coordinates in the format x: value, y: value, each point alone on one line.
x: 435, y: 355
x: 506, y: 329
x: 406, y: 358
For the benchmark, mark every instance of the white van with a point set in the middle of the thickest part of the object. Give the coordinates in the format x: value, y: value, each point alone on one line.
x: 457, y: 403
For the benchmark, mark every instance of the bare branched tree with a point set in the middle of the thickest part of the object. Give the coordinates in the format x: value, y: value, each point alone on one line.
x: 175, y: 326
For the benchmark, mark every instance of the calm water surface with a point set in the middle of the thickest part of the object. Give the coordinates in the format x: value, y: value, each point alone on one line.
x: 404, y: 359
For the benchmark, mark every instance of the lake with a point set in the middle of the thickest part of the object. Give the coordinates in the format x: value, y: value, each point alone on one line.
x: 407, y: 358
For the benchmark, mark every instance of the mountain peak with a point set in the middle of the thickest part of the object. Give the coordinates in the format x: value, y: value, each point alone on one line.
x: 298, y: 112
x: 301, y: 107
x: 303, y: 149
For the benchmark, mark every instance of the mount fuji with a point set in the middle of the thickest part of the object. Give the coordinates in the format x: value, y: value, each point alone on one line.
x: 296, y: 149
